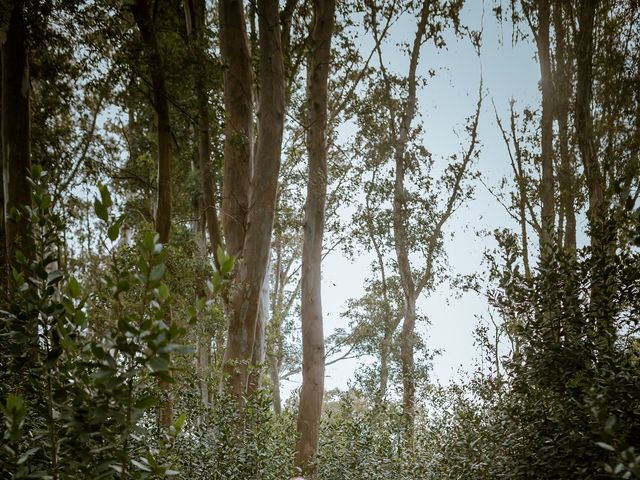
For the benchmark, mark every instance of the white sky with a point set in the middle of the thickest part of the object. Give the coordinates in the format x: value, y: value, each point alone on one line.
x: 508, y: 72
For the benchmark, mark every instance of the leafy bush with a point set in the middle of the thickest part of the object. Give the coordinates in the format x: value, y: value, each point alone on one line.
x: 77, y: 403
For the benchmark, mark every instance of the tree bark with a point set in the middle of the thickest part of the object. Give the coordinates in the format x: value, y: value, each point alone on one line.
x: 3, y: 249
x: 142, y: 15
x: 252, y: 265
x: 546, y: 127
x: 583, y: 115
x: 16, y: 133
x: 259, y: 344
x: 312, y: 392
x: 238, y: 102
x: 195, y: 10
x: 563, y: 90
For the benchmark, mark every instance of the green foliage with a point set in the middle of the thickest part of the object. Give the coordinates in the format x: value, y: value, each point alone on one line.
x: 565, y: 402
x: 219, y: 442
x: 77, y: 403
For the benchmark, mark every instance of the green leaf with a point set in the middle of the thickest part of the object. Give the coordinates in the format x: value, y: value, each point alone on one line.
x: 105, y: 196
x: 179, y: 423
x: 158, y: 364
x: 100, y: 210
x: 147, y: 402
x: 36, y: 171
x: 74, y: 288
x: 227, y: 266
x: 220, y: 255
x: 157, y: 272
x: 114, y: 231
x: 149, y: 242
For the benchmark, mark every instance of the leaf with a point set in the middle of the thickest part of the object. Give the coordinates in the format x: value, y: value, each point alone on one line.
x: 158, y: 364
x: 100, y: 210
x: 220, y: 255
x: 157, y: 272
x: 149, y: 242
x: 25, y: 456
x: 227, y: 266
x: 606, y: 446
x: 140, y: 466
x: 105, y: 196
x: 114, y: 231
x: 179, y: 423
x: 146, y: 402
x: 74, y: 288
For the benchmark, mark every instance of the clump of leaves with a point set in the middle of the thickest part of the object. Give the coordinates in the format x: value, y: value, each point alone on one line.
x: 75, y: 398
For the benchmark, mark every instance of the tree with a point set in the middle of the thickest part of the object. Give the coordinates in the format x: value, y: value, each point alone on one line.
x: 255, y: 199
x: 142, y: 15
x: 16, y: 133
x: 398, y: 144
x: 312, y: 392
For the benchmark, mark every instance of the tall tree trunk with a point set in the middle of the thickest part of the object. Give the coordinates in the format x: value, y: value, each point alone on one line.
x: 16, y: 132
x: 603, y: 248
x: 142, y: 15
x: 195, y: 11
x: 275, y: 343
x: 400, y: 235
x: 563, y: 94
x: 238, y: 103
x: 252, y: 265
x: 546, y: 126
x: 583, y: 115
x: 312, y: 392
x: 407, y: 340
x: 3, y: 250
x: 385, y: 354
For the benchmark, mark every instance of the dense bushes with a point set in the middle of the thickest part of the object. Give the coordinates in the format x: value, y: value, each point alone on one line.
x: 77, y: 402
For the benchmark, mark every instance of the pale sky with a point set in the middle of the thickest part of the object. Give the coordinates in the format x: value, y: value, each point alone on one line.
x: 508, y: 72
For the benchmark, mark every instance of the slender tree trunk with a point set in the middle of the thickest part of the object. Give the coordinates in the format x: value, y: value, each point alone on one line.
x: 546, y: 126
x: 275, y: 341
x: 195, y: 10
x: 259, y: 344
x: 312, y: 392
x: 142, y: 15
x: 407, y: 341
x: 16, y: 133
x: 563, y: 95
x: 238, y: 103
x: 3, y: 250
x: 385, y: 353
x: 603, y: 247
x: 400, y: 236
x: 203, y: 342
x: 252, y: 265
x: 583, y: 115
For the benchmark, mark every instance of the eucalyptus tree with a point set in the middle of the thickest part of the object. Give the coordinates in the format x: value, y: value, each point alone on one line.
x: 312, y: 394
x: 250, y: 176
x: 420, y: 207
